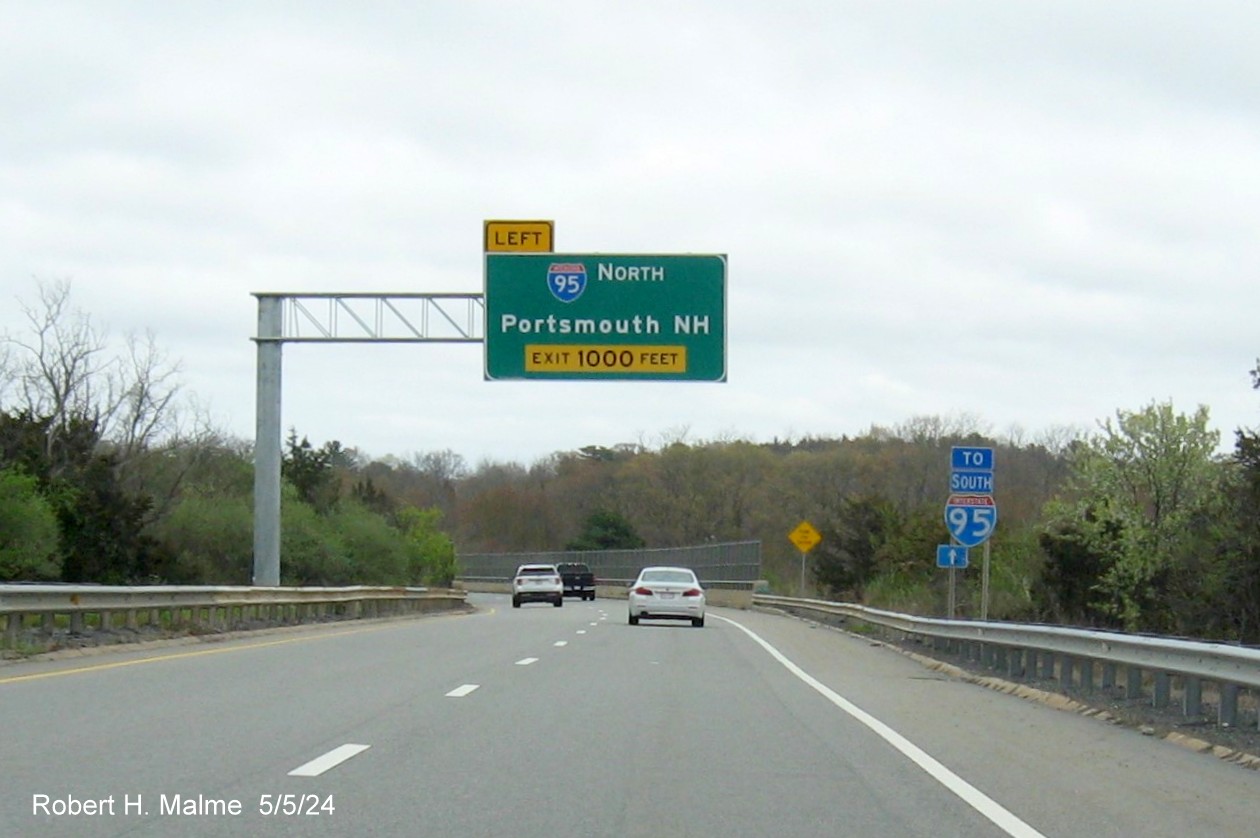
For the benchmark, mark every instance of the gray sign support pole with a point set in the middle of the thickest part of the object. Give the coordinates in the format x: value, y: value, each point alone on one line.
x: 267, y: 444
x: 952, y: 607
x: 349, y: 317
x: 984, y: 584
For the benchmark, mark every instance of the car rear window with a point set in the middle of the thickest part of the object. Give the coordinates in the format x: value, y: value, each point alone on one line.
x: 669, y: 576
x: 540, y: 571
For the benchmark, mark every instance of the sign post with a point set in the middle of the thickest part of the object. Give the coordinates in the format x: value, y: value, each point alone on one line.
x: 953, y: 557
x: 806, y: 538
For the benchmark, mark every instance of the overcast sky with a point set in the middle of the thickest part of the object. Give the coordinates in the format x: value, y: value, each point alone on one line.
x: 1032, y: 213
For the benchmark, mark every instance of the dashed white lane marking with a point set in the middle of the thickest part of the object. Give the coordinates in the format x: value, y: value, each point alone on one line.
x: 581, y: 631
x: 972, y: 796
x: 460, y: 692
x: 526, y: 661
x: 329, y: 760
x: 561, y: 643
x: 594, y: 624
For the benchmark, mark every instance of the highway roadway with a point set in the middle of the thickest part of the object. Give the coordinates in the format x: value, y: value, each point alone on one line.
x: 544, y: 721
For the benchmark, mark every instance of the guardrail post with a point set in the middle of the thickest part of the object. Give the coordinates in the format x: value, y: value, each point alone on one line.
x: 1227, y: 713
x: 1133, y: 682
x: 76, y: 622
x: 1108, y: 676
x: 130, y: 622
x: 1163, y: 689
x: 1192, y: 697
x: 1015, y: 663
x: 1047, y: 665
x: 1067, y: 663
x: 1087, y: 675
x: 11, y: 629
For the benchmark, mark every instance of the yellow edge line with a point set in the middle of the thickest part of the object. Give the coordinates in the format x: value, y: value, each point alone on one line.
x: 97, y: 667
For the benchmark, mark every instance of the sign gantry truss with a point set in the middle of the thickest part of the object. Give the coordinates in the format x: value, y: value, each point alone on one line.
x: 361, y: 317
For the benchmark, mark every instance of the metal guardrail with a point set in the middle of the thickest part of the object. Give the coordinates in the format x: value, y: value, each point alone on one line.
x: 42, y: 607
x: 1071, y: 656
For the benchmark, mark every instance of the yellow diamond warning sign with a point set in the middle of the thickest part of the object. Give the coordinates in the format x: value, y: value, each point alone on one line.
x: 805, y: 537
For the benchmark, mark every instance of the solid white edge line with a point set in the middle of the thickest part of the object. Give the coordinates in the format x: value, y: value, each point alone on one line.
x: 526, y: 661
x: 329, y: 760
x: 976, y: 799
x: 461, y: 691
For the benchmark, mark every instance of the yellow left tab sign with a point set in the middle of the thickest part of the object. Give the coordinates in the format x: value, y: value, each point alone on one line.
x: 519, y: 236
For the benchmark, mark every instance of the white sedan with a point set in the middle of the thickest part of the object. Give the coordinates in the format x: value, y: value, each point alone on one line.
x: 667, y: 593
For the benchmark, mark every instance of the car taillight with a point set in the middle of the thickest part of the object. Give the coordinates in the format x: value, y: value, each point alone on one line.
x: 520, y: 580
x: 642, y: 591
x: 556, y: 579
x: 693, y: 592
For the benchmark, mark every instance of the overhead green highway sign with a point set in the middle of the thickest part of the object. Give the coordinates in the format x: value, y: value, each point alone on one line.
x: 567, y: 316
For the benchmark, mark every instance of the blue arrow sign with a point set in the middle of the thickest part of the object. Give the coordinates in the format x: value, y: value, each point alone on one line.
x: 951, y: 555
x: 962, y: 458
x: 970, y: 518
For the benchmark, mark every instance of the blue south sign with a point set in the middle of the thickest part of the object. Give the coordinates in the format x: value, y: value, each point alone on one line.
x: 971, y: 482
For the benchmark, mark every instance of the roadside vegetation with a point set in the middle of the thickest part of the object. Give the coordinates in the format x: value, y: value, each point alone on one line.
x: 109, y: 474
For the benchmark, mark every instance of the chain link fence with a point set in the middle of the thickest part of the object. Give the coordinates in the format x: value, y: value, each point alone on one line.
x: 735, y: 564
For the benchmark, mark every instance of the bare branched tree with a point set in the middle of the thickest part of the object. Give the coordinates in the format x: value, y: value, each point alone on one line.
x: 63, y: 372
x: 60, y: 368
x: 146, y: 410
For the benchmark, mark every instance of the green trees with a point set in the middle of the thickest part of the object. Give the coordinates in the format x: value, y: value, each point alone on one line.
x: 1231, y: 572
x: 210, y: 538
x: 100, y: 526
x: 606, y: 530
x: 1136, y: 497
x: 28, y: 530
x: 845, y: 561
x: 430, y: 552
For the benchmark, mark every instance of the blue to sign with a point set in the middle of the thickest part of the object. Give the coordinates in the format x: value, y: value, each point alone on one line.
x: 970, y: 518
x: 951, y: 555
x: 971, y: 459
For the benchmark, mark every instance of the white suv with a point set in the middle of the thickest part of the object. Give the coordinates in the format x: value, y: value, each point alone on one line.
x: 537, y: 582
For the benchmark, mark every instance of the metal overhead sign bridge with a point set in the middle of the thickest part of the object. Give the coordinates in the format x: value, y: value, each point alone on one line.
x: 640, y: 317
